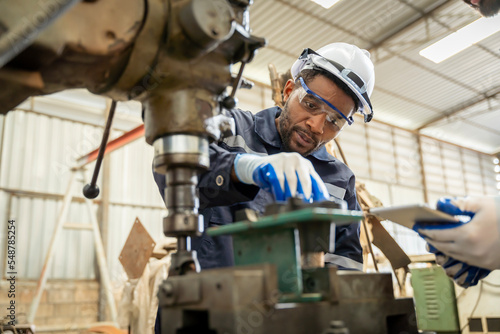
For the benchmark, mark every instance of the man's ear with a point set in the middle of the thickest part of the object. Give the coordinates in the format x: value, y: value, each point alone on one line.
x: 287, y: 90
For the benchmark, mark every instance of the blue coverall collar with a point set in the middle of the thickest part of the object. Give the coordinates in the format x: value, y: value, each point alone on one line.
x: 265, y: 128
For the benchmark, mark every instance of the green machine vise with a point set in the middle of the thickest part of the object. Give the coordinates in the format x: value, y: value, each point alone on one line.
x: 293, y: 237
x: 280, y: 284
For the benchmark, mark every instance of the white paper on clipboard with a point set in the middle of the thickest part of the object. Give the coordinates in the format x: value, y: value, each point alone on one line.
x: 407, y: 215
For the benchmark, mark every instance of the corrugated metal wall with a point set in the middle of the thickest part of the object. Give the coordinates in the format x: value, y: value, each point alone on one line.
x: 37, y: 153
x: 133, y: 193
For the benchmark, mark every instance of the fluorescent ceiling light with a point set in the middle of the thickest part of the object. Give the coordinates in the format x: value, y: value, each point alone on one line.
x: 326, y: 3
x: 462, y: 39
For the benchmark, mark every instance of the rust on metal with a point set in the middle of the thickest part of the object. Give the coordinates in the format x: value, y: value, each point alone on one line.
x: 137, y: 250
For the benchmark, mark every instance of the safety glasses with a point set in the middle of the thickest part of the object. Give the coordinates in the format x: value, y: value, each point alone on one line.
x: 315, y: 104
x: 358, y: 86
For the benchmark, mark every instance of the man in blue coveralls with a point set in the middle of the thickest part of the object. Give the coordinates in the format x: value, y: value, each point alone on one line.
x: 276, y: 154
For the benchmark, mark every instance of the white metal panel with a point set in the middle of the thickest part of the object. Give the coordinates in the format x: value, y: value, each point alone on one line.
x: 410, y: 90
x: 484, y: 139
x: 4, y: 217
x: 407, y: 239
x: 353, y: 143
x: 39, y: 151
x: 85, y: 108
x: 408, y: 159
x: 479, y: 302
x: 36, y: 220
x: 488, y: 175
x: 131, y: 179
x: 2, y: 121
x: 380, y: 190
x: 255, y: 99
x: 456, y: 171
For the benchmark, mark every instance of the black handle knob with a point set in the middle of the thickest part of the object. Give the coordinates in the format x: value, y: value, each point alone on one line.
x: 91, y: 191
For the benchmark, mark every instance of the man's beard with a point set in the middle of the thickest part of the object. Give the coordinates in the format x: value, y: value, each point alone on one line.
x: 286, y: 132
x: 487, y: 8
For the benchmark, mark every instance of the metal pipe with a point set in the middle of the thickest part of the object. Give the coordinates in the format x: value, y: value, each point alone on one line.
x: 114, y: 144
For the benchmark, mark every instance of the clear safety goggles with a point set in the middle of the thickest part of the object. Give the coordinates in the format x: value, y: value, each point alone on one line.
x: 309, y: 59
x: 315, y: 105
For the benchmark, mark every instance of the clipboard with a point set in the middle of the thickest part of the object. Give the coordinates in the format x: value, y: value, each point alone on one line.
x: 407, y: 215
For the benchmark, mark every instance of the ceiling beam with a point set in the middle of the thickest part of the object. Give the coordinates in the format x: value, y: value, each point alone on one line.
x: 410, y: 23
x: 493, y: 93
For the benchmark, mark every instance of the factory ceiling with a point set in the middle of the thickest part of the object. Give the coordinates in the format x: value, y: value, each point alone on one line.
x: 457, y: 100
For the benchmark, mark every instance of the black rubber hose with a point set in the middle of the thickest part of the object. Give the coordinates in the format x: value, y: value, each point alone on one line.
x: 22, y: 35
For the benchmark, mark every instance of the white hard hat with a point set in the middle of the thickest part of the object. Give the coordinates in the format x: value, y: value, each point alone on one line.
x: 347, y: 62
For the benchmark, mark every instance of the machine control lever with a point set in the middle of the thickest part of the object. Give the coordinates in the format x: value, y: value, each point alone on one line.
x: 91, y: 190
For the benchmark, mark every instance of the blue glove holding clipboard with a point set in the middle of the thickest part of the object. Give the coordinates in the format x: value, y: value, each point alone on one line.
x: 463, y: 274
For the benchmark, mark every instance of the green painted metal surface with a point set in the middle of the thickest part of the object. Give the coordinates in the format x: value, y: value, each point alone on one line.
x: 289, y: 219
x: 277, y: 247
x: 435, y: 301
x: 304, y: 298
x: 275, y: 239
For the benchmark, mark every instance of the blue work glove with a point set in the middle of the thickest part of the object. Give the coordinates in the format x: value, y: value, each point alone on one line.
x: 284, y: 175
x: 462, y: 273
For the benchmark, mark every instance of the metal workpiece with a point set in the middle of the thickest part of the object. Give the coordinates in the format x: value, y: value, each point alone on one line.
x: 289, y: 220
x: 291, y: 236
x: 296, y: 203
x: 247, y: 300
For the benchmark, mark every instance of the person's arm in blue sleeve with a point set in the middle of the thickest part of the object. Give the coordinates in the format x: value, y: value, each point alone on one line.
x: 217, y: 186
x: 237, y: 177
